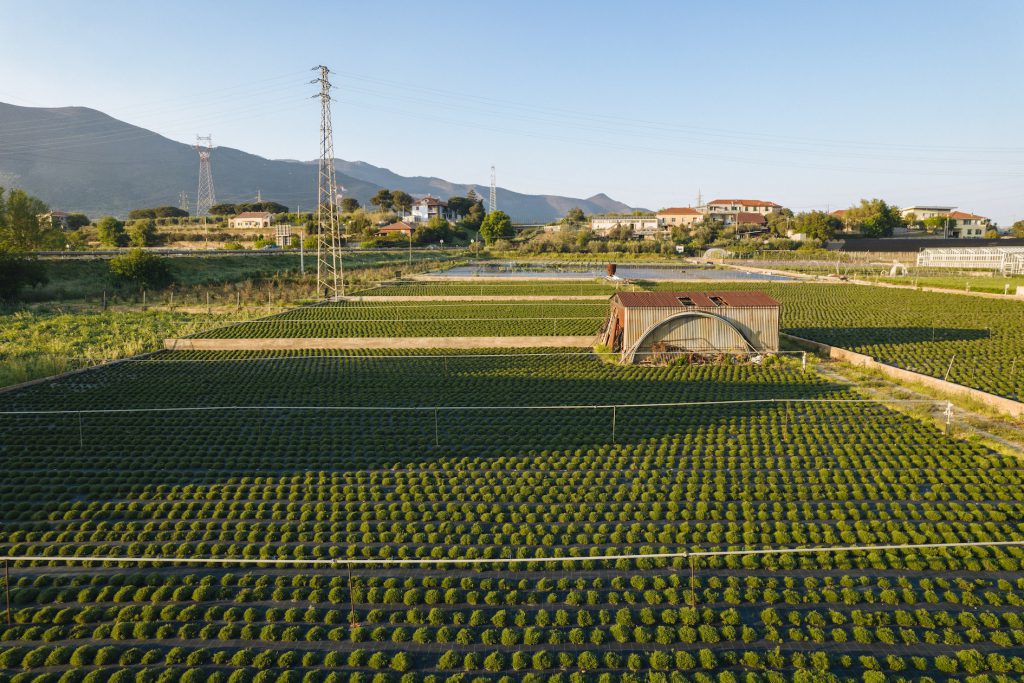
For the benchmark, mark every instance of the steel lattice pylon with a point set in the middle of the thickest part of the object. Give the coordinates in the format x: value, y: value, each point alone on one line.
x: 205, y: 198
x: 494, y: 194
x: 330, y: 273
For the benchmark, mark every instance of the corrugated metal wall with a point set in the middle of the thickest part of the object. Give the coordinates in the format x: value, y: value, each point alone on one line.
x: 760, y: 325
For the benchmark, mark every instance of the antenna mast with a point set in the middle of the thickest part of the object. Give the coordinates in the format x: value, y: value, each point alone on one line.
x: 205, y: 198
x: 493, y: 204
x: 328, y: 261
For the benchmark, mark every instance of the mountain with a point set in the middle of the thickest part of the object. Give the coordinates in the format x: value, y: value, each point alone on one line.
x: 80, y: 159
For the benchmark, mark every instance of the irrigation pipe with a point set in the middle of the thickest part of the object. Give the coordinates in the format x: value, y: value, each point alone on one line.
x: 392, y: 409
x: 457, y: 356
x: 682, y: 554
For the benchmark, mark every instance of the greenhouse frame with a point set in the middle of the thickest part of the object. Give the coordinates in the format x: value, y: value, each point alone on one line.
x: 1005, y: 260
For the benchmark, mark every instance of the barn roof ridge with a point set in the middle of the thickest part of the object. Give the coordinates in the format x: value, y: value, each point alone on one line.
x: 700, y: 299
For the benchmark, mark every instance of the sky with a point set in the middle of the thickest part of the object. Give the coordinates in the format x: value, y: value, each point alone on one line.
x: 810, y: 104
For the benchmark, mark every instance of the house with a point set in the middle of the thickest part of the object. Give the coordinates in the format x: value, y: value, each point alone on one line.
x: 398, y: 228
x: 684, y: 216
x: 923, y: 213
x: 425, y: 208
x: 54, y: 218
x: 642, y: 325
x: 740, y: 211
x: 646, y: 227
x: 248, y: 220
x: 962, y: 224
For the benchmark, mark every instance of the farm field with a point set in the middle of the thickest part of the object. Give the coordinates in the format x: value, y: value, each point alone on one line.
x: 427, y: 319
x: 490, y: 457
x: 980, y: 342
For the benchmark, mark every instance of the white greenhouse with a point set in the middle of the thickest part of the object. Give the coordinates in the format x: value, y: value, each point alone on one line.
x: 1005, y: 260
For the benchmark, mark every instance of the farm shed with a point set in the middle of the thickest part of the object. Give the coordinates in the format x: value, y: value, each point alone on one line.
x: 691, y: 322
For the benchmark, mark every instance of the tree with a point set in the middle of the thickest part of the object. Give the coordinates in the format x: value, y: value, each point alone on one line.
x: 817, y: 225
x: 143, y: 233
x: 401, y: 200
x: 110, y: 232
x: 349, y: 204
x: 77, y: 220
x: 875, y: 218
x: 574, y: 216
x: 383, y: 200
x: 459, y: 205
x: 1018, y: 228
x: 991, y: 234
x: 223, y: 210
x: 141, y: 269
x: 496, y: 226
x: 17, y: 272
x: 20, y: 228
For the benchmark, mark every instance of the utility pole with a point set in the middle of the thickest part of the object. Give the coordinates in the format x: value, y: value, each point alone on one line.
x: 302, y: 240
x: 493, y: 204
x: 327, y: 259
x: 205, y: 197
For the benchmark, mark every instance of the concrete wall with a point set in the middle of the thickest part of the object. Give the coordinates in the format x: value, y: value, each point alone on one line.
x: 1003, y: 405
x: 375, y: 343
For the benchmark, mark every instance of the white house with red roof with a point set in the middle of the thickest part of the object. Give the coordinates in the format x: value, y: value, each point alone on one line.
x: 425, y: 208
x: 741, y: 211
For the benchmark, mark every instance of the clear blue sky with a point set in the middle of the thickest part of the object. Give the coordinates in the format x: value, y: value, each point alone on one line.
x: 810, y: 104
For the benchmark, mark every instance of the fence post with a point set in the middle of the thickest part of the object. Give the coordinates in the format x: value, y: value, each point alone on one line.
x: 803, y: 361
x: 7, y: 589
x: 437, y: 438
x: 693, y: 582
x: 946, y: 376
x: 613, y: 423
x: 949, y: 417
x: 208, y: 311
x: 81, y: 439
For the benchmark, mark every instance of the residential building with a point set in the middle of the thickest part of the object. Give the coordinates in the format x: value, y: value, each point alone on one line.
x: 684, y: 216
x: 425, y: 208
x: 54, y: 218
x: 646, y: 227
x: 922, y: 213
x: 398, y: 228
x: 962, y: 224
x: 250, y: 220
x: 740, y: 211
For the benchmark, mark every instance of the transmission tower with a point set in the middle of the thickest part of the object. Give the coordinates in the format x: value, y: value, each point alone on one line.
x: 493, y: 206
x: 329, y: 267
x: 205, y: 197
x: 183, y: 201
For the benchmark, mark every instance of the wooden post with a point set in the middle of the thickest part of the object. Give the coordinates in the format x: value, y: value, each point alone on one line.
x: 81, y: 439
x: 7, y: 589
x: 351, y: 600
x: 613, y: 424
x: 208, y: 311
x: 693, y: 582
x: 437, y: 438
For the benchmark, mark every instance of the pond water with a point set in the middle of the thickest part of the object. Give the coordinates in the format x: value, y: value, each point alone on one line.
x: 571, y: 271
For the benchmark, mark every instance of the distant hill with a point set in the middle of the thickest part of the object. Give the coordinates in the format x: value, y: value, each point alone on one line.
x: 80, y: 159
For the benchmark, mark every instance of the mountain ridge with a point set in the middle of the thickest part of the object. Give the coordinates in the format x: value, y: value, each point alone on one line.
x: 82, y: 159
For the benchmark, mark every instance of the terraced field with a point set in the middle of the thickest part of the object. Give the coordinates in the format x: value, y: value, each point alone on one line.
x: 491, y: 458
x: 405, y: 319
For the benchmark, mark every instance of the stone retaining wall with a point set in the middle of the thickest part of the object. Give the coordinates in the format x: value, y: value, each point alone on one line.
x: 307, y: 343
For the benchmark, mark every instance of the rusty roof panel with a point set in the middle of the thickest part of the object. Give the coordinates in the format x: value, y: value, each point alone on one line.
x: 737, y: 299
